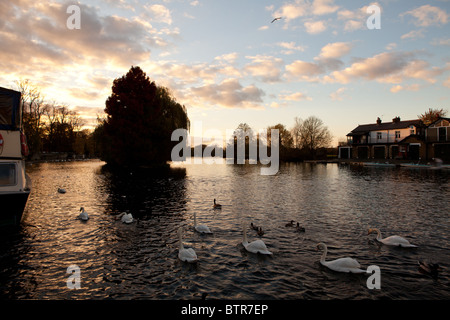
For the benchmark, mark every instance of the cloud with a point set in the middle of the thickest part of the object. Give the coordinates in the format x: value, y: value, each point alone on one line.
x: 447, y: 83
x: 338, y: 94
x: 228, y: 57
x: 229, y: 94
x: 265, y: 68
x: 158, y: 13
x: 328, y: 59
x: 413, y: 34
x: 302, y: 70
x: 335, y: 50
x: 291, y: 11
x: 398, y: 88
x: 298, y: 96
x: 355, y: 19
x: 427, y: 15
x: 315, y: 27
x: 290, y: 47
x: 302, y: 8
x: 387, y: 67
x: 38, y: 38
x: 441, y: 42
x: 322, y: 7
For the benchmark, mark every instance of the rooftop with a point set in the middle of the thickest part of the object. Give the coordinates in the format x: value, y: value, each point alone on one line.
x: 396, y: 123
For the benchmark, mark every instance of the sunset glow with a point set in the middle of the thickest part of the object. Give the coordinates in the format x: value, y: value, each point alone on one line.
x: 228, y: 62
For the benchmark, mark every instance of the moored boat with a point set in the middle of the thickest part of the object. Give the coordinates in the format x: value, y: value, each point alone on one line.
x: 15, y: 186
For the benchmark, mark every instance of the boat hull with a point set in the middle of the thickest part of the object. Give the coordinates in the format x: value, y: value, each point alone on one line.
x: 13, y: 206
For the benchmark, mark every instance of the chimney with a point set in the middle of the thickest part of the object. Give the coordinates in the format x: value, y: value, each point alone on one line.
x: 378, y: 120
x: 396, y: 119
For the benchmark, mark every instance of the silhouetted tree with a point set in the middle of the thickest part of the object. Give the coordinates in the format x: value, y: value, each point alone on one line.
x: 33, y: 108
x: 312, y: 135
x: 284, y: 136
x: 140, y: 120
x: 432, y: 115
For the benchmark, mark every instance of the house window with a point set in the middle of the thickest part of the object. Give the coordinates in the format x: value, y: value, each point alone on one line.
x: 442, y: 134
x: 397, y: 134
x: 379, y: 135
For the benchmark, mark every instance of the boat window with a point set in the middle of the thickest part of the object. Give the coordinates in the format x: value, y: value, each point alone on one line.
x: 7, y: 174
x: 6, y: 109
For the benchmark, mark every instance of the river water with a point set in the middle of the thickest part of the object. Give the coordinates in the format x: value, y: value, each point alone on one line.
x: 334, y: 203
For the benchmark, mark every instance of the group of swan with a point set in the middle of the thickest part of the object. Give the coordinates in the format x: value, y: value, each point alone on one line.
x: 124, y: 217
x: 351, y: 265
x: 189, y: 255
x: 345, y: 264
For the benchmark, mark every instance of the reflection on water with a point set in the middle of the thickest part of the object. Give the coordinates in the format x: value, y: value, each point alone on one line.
x: 335, y: 203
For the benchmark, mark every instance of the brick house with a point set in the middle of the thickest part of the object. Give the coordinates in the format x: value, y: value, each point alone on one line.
x: 408, y: 140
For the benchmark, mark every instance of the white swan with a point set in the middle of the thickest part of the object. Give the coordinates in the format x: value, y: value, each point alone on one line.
x: 83, y: 215
x: 257, y: 246
x: 126, y: 217
x: 202, y: 228
x: 187, y: 255
x: 392, y: 240
x: 340, y: 265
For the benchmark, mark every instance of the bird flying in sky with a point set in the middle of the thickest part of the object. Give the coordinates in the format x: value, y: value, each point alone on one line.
x: 275, y: 19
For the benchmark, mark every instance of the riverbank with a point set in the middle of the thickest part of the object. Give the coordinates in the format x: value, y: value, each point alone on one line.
x: 384, y: 163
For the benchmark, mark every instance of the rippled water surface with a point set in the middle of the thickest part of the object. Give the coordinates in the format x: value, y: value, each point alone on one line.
x: 335, y: 203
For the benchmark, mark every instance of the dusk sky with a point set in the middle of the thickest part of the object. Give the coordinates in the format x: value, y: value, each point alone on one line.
x: 227, y: 63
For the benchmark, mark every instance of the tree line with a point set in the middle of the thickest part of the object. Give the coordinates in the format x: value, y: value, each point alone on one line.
x: 308, y: 139
x: 140, y: 117
x: 52, y: 127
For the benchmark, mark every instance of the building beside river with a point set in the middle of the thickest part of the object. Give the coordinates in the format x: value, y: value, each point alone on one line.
x: 399, y: 140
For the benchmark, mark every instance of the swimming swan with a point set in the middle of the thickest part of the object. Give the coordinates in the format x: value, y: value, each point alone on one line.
x: 256, y: 246
x: 340, y: 265
x: 83, y: 215
x: 202, y: 228
x: 186, y: 255
x: 392, y: 240
x: 216, y: 205
x: 126, y: 217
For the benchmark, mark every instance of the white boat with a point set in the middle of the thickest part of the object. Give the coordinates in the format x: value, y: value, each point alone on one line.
x: 15, y: 186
